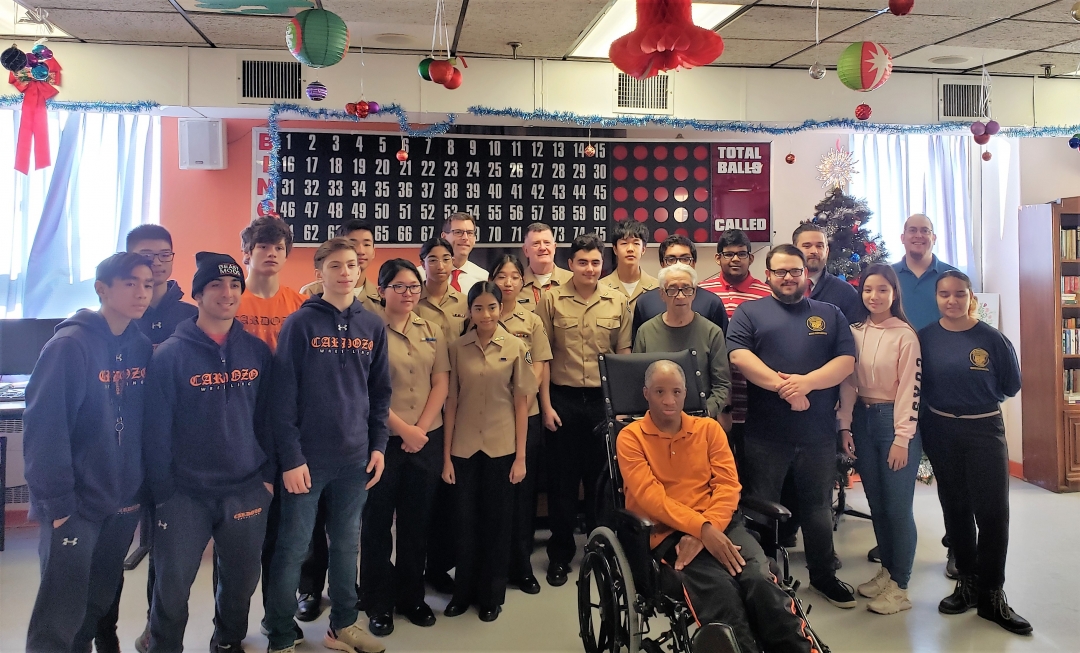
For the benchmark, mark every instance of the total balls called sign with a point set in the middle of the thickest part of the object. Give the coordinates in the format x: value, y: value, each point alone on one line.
x: 328, y: 177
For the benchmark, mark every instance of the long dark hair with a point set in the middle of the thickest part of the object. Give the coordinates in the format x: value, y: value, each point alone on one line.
x: 973, y: 303
x: 391, y: 269
x: 480, y: 288
x: 500, y: 262
x: 897, y: 308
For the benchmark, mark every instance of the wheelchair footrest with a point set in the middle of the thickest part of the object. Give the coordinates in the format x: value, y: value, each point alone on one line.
x: 715, y: 638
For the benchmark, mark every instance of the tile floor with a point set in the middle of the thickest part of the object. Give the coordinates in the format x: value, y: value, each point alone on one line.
x: 1043, y: 585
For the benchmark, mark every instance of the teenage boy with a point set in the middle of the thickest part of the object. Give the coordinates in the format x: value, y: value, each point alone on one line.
x: 331, y: 403
x: 208, y: 459
x: 265, y: 304
x: 460, y: 229
x: 628, y: 240
x: 582, y: 319
x: 362, y: 236
x: 82, y: 449
x: 541, y: 273
x: 166, y: 306
x: 678, y: 249
x: 821, y: 285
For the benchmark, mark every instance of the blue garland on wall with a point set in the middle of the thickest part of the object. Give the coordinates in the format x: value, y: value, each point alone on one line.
x: 15, y: 101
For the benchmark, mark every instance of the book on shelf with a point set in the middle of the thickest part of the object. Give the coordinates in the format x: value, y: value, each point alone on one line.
x: 1072, y: 385
x: 1069, y: 243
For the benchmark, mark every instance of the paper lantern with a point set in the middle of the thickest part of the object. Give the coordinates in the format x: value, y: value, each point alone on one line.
x: 665, y: 38
x: 317, y: 38
x: 864, y: 66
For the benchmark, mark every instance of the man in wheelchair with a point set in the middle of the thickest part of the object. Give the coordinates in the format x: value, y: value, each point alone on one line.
x: 678, y: 471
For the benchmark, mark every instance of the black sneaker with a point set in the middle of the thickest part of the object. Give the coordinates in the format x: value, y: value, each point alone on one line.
x: 837, y: 592
x: 874, y: 555
x: 994, y: 607
x: 951, y: 572
x: 226, y: 648
x: 963, y: 598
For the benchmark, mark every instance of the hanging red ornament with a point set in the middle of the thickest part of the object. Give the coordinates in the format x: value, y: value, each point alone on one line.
x: 590, y: 150
x: 350, y: 108
x: 863, y: 111
x: 455, y: 79
x: 790, y: 158
x: 362, y: 109
x: 440, y: 71
x: 402, y: 155
x: 987, y: 156
x: 982, y: 139
x: 901, y: 7
x: 871, y: 248
x: 665, y: 38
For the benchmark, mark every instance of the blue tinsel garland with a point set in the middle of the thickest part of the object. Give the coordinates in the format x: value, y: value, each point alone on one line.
x: 14, y: 101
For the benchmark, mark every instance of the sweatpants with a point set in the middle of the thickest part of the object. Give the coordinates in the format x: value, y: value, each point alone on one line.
x: 184, y: 525
x: 485, y: 507
x: 761, y: 614
x: 971, y: 466
x: 522, y: 529
x: 82, y: 563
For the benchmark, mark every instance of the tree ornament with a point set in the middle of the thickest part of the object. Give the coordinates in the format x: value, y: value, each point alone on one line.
x: 790, y: 158
x: 13, y: 59
x: 864, y: 66
x: 350, y: 108
x: 842, y: 276
x: 316, y: 91
x: 317, y: 38
x: 1075, y: 12
x: 590, y: 150
x: 440, y: 71
x: 362, y: 109
x: 855, y: 258
x: 373, y: 107
x: 982, y: 139
x: 402, y: 155
x: 817, y: 71
x: 987, y: 156
x: 992, y: 127
x: 978, y: 128
x: 424, y: 69
x: 863, y: 111
x: 31, y: 59
x: 1074, y: 142
x: 665, y: 38
x: 455, y: 79
x: 871, y: 248
x: 42, y: 51
x: 901, y: 7
x: 37, y: 84
x: 836, y: 168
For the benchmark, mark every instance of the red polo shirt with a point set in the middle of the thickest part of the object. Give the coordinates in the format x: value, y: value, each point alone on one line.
x: 733, y: 295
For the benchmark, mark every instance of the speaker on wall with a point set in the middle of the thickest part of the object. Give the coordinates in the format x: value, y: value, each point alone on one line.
x: 202, y: 144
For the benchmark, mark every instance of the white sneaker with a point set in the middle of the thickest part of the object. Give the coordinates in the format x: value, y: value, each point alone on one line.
x: 891, y: 600
x: 353, y: 639
x: 875, y: 585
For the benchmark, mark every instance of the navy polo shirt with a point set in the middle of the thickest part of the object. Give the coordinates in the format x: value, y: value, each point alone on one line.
x: 919, y: 294
x: 795, y: 339
x: 967, y: 372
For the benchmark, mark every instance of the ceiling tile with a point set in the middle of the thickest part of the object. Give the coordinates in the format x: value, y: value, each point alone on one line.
x: 909, y: 32
x: 1073, y: 48
x: 420, y: 12
x: 789, y: 23
x: 545, y: 28
x: 248, y: 7
x: 1019, y: 35
x: 230, y: 30
x: 742, y: 52
x: 1031, y: 64
x: 126, y: 27
x: 825, y: 53
x: 1058, y: 12
x: 162, y: 6
x: 985, y: 10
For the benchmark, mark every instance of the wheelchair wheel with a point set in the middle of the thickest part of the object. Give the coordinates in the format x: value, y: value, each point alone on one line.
x: 606, y: 594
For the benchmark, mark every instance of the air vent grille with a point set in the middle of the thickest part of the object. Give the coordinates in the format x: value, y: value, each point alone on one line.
x: 652, y: 95
x: 961, y: 101
x: 271, y: 80
x: 17, y: 495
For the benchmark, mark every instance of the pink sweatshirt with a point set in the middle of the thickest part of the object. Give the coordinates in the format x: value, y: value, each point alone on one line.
x: 887, y: 369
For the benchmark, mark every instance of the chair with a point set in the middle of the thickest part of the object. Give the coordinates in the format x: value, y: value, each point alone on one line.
x: 621, y: 586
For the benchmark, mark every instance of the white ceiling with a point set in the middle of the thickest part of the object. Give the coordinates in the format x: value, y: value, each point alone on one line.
x: 1013, y: 37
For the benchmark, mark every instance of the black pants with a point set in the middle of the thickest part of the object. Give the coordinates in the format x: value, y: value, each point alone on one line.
x: 185, y: 524
x: 442, y: 531
x: 313, y: 570
x: 523, y: 529
x: 407, y: 488
x: 485, y: 507
x: 814, y: 467
x: 751, y: 602
x: 575, y: 457
x: 82, y: 562
x: 106, y: 630
x: 971, y: 465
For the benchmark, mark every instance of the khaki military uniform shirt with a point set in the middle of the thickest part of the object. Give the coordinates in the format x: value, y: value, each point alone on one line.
x: 529, y: 297
x: 581, y: 329
x: 483, y: 384
x: 528, y: 327
x: 645, y: 284
x: 416, y: 352
x: 366, y: 292
x: 449, y: 314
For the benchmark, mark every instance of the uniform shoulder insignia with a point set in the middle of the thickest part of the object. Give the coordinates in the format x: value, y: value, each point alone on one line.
x: 528, y: 357
x: 418, y: 320
x: 498, y: 338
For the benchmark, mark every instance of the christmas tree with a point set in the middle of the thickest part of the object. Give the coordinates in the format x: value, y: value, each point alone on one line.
x: 852, y: 248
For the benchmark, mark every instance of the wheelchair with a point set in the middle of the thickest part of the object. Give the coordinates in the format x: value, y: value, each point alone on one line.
x: 627, y: 601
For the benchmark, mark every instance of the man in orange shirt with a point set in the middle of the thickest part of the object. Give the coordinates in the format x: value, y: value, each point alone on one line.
x: 679, y: 472
x: 265, y: 304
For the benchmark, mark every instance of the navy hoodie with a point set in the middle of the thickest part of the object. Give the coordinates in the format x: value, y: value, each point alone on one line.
x: 159, y: 322
x: 842, y: 295
x: 205, y: 414
x: 331, y: 386
x: 82, y: 441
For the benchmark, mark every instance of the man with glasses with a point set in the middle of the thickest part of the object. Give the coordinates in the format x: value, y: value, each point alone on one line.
x: 167, y: 308
x: 460, y: 229
x: 919, y: 271
x: 541, y: 273
x: 794, y: 352
x: 679, y: 249
x: 820, y: 285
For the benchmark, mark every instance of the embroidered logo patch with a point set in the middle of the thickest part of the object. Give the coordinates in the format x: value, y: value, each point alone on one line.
x: 980, y: 359
x: 815, y: 323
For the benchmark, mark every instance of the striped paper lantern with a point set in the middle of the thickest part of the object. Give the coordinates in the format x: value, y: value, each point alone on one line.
x: 864, y: 66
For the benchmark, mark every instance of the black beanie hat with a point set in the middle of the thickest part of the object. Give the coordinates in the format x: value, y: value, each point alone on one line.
x: 210, y: 266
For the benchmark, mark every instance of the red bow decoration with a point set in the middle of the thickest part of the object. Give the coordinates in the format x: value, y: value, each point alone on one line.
x: 665, y: 38
x: 34, y: 125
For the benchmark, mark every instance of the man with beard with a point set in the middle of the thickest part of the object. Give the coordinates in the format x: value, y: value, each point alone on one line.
x: 794, y: 353
x: 821, y: 285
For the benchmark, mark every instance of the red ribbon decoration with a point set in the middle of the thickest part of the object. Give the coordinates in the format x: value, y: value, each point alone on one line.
x: 34, y: 125
x: 665, y: 38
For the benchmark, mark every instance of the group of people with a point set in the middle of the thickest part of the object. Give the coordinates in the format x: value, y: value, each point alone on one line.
x: 312, y: 426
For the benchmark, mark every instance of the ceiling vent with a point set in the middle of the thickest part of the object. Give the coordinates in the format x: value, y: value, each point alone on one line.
x: 265, y: 82
x: 651, y: 95
x: 960, y: 101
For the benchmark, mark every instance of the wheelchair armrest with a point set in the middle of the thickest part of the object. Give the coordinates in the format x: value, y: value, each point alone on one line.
x: 769, y: 509
x: 636, y: 523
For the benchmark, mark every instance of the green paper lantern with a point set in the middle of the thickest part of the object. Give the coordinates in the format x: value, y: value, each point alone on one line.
x: 864, y: 66
x: 317, y: 38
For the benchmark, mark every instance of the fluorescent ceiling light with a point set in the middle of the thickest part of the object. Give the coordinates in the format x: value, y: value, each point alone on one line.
x: 14, y: 21
x: 621, y: 18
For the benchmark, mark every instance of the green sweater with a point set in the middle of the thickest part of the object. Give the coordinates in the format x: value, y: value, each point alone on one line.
x: 706, y: 339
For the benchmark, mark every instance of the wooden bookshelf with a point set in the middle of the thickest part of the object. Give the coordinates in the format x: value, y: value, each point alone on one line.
x: 1051, y: 437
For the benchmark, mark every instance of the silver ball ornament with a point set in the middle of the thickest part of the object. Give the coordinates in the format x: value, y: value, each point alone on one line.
x: 817, y: 71
x: 1075, y: 12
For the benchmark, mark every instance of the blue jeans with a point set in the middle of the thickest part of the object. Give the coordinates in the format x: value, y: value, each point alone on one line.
x: 889, y: 493
x: 345, y: 503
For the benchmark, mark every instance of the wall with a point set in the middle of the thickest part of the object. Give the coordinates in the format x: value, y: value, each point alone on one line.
x: 1049, y: 170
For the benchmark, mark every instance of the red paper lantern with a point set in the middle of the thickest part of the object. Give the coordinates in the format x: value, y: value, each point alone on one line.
x: 901, y: 7
x: 665, y: 38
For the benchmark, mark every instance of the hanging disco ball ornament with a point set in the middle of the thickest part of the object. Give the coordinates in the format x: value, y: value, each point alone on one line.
x: 790, y: 158
x: 817, y: 71
x: 316, y: 91
x: 864, y: 66
x: 13, y: 59
x: 590, y: 150
x: 317, y: 38
x: 664, y: 38
x: 1075, y: 12
x: 863, y: 111
x: 901, y: 7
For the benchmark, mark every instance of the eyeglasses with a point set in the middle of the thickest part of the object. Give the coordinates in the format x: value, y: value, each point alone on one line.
x: 672, y: 260
x: 458, y: 233
x: 436, y: 260
x: 922, y: 231
x: 727, y: 256
x: 794, y: 273
x: 406, y: 289
x: 164, y: 257
x: 675, y: 292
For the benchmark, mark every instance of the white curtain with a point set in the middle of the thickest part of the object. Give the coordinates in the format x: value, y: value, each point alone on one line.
x: 58, y: 223
x: 903, y: 175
